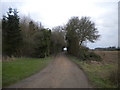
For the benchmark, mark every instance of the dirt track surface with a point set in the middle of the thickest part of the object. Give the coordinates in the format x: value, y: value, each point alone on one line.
x: 61, y: 73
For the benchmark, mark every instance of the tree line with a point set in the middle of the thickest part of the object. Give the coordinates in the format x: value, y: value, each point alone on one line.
x: 24, y: 37
x: 113, y: 48
x: 27, y: 38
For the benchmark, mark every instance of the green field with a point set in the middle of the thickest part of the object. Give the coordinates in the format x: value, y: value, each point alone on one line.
x: 20, y: 68
x: 99, y: 75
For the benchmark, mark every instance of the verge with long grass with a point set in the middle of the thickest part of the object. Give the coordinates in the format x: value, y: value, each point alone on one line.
x: 100, y: 75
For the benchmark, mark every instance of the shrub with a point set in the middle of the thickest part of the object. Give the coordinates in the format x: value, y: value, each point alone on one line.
x: 84, y: 54
x: 94, y: 57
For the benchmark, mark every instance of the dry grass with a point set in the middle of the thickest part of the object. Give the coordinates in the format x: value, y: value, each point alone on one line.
x: 108, y: 57
x: 103, y: 73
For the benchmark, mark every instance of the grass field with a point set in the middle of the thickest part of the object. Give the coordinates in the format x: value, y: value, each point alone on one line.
x: 101, y: 74
x: 20, y: 68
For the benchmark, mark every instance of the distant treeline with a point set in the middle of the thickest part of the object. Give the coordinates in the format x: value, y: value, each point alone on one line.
x: 108, y: 49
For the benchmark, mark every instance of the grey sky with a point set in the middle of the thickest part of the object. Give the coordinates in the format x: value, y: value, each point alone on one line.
x: 57, y: 12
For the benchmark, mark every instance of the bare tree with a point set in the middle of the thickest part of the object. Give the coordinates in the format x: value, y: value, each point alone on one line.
x: 87, y: 31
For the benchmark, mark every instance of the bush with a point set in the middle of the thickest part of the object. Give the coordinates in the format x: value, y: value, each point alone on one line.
x: 94, y: 57
x: 84, y: 54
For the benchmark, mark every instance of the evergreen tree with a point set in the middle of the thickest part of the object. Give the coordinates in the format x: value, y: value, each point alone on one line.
x: 11, y: 33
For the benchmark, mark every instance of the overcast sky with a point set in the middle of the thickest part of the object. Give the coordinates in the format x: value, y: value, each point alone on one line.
x: 57, y: 12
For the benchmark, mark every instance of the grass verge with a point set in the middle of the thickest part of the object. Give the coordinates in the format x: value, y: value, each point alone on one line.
x: 20, y: 68
x: 97, y: 74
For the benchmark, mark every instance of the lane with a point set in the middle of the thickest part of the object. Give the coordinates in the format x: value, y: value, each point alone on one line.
x: 61, y: 73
